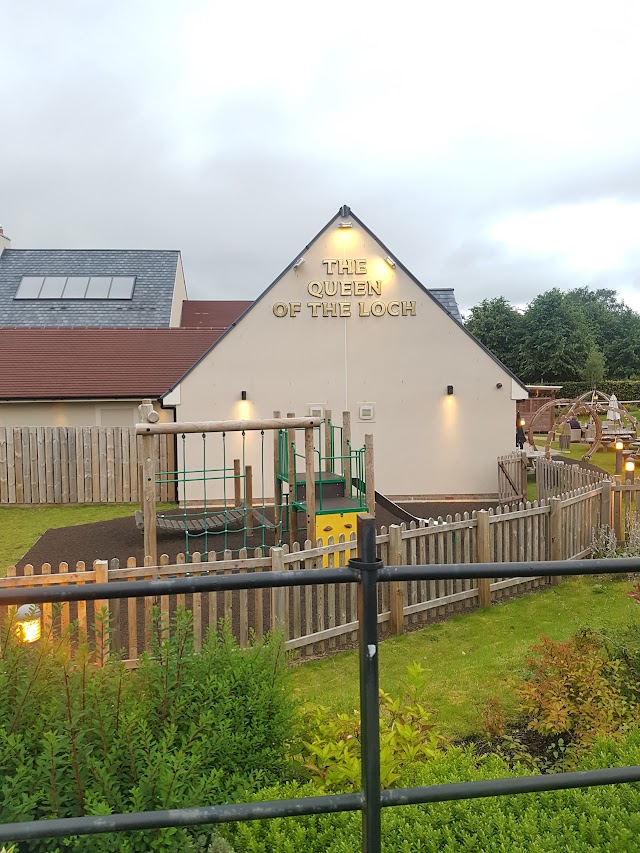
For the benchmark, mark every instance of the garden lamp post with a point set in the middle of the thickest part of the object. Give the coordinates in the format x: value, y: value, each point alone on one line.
x: 618, y: 446
x: 629, y: 467
x: 28, y: 625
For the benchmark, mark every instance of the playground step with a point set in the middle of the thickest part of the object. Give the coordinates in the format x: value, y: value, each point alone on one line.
x: 328, y: 484
x: 333, y: 505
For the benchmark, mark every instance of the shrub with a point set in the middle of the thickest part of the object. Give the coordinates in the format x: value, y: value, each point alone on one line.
x: 331, y: 750
x: 572, y: 688
x: 572, y: 821
x: 185, y: 729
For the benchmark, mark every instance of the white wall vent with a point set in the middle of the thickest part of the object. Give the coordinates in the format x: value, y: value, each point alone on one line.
x: 366, y: 411
x: 316, y: 411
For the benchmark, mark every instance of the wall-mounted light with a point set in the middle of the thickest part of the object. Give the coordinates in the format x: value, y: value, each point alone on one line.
x: 298, y: 263
x: 28, y: 625
x: 449, y: 389
x: 521, y: 422
x: 243, y: 395
x: 498, y: 384
x: 391, y: 262
x: 345, y: 225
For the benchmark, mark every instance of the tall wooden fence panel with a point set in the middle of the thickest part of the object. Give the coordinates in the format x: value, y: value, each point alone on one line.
x: 69, y: 465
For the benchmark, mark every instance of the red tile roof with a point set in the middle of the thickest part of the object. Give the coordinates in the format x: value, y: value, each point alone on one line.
x: 219, y: 314
x: 64, y: 363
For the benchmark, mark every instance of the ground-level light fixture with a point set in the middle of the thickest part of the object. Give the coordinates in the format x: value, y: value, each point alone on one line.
x: 391, y: 262
x: 449, y: 389
x: 28, y: 625
x: 619, y: 445
x: 629, y: 467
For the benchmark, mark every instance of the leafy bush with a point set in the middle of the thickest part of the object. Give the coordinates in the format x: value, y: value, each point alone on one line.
x: 331, y: 751
x: 573, y: 688
x: 185, y: 729
x: 572, y: 821
x: 624, y: 389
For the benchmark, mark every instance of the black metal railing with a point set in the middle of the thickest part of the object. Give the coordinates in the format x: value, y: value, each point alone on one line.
x: 366, y: 571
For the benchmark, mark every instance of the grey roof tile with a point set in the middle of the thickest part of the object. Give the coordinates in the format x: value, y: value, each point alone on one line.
x: 150, y: 306
x: 447, y: 299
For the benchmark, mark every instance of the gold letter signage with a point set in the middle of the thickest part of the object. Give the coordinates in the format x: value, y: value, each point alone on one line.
x: 328, y: 295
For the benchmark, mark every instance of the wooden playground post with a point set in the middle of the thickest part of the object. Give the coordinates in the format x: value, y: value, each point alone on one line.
x: 555, y: 525
x: 277, y: 485
x: 293, y: 515
x: 309, y: 462
x: 346, y: 452
x: 368, y: 474
x: 328, y: 456
x: 237, y: 497
x: 248, y: 497
x: 149, y: 498
x: 396, y: 588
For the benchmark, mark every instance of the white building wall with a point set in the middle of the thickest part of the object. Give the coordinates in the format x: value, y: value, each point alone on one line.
x: 75, y: 413
x: 427, y: 442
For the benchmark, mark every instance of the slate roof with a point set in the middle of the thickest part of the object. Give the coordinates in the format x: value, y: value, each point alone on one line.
x: 150, y: 306
x: 37, y: 363
x: 447, y: 299
x: 210, y: 314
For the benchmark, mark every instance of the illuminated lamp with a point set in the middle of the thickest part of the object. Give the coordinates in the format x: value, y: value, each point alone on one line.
x: 629, y: 467
x: 243, y: 395
x: 619, y: 445
x: 449, y: 389
x: 522, y: 422
x: 345, y: 225
x: 391, y: 262
x: 28, y: 626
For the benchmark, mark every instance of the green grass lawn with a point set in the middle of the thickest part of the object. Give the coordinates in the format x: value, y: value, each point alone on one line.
x: 472, y: 657
x: 21, y: 527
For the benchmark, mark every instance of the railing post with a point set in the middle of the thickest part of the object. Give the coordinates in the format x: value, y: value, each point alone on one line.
x: 310, y: 496
x: 276, y: 479
x: 483, y: 556
x: 278, y: 595
x: 367, y: 565
x: 555, y: 523
x: 346, y: 452
x: 396, y: 588
x: 293, y: 487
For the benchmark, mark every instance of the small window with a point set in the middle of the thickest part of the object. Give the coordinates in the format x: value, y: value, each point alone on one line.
x: 29, y: 287
x: 121, y: 287
x: 76, y: 287
x: 53, y: 287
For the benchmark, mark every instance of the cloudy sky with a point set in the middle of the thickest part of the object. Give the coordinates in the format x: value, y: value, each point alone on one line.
x: 494, y: 147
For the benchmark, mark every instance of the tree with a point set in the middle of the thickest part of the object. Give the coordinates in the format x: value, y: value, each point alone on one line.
x: 557, y: 338
x: 498, y: 325
x: 593, y: 370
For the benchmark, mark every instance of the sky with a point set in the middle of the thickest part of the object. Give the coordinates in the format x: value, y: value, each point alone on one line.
x: 493, y: 147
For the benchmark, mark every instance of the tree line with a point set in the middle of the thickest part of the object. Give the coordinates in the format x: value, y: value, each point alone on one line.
x: 582, y: 334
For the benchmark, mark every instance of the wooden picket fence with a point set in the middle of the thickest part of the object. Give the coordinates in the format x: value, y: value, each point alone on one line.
x: 554, y: 477
x: 68, y: 465
x: 320, y: 619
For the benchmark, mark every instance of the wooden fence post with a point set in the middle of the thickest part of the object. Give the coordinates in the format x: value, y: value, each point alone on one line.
x: 278, y: 595
x: 101, y: 622
x: 605, y: 502
x: 483, y: 556
x: 149, y: 498
x: 396, y: 588
x: 555, y: 523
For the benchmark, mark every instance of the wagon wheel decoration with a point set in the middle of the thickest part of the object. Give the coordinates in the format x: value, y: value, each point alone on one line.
x: 590, y: 403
